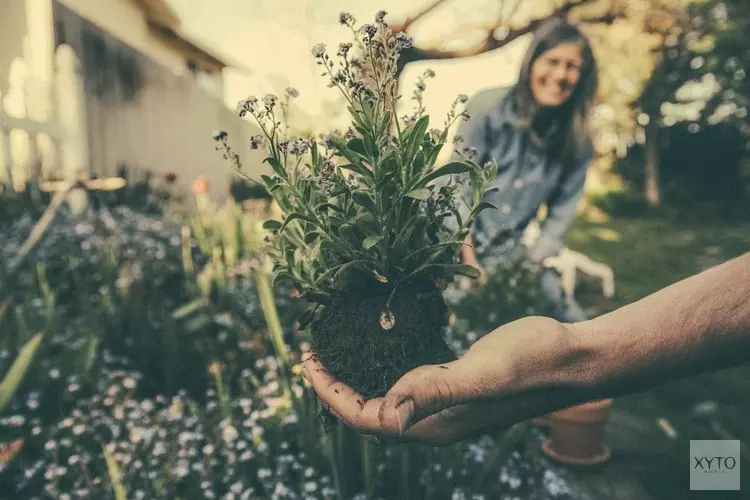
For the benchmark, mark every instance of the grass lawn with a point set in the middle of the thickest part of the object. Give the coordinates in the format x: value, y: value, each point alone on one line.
x: 649, y: 254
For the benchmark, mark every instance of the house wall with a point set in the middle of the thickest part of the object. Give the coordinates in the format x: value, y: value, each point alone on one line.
x: 141, y: 115
x: 127, y: 22
x: 13, y: 29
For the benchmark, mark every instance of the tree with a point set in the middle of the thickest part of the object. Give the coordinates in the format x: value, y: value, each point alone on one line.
x: 662, y: 62
x: 699, y: 78
x: 626, y: 37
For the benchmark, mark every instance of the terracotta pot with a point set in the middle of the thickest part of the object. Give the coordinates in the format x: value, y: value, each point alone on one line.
x: 576, y: 435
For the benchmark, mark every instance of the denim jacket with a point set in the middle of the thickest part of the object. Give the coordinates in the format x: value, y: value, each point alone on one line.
x: 527, y: 178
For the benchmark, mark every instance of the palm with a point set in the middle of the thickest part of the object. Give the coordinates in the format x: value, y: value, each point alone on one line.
x: 457, y: 399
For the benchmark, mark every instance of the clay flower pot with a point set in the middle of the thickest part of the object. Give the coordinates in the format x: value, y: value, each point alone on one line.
x: 576, y: 435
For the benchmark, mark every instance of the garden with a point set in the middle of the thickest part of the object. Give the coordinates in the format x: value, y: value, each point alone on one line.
x: 153, y: 351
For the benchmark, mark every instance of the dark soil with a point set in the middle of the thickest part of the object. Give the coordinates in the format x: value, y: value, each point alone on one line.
x: 350, y: 342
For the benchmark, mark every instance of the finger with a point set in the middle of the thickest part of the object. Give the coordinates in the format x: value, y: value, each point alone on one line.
x: 307, y: 356
x: 348, y: 405
x: 422, y: 392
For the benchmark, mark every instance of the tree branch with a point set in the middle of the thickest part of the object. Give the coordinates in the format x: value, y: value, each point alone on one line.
x: 489, y: 42
x: 416, y: 17
x: 513, y: 9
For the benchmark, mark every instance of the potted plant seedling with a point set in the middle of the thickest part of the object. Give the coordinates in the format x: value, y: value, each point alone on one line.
x: 363, y: 234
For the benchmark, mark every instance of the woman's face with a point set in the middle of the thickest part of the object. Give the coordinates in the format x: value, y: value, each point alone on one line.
x: 555, y: 74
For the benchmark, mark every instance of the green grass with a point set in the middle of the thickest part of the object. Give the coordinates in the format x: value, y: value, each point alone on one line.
x: 647, y: 255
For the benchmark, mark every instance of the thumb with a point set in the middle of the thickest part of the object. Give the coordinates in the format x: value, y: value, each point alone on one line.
x: 420, y: 393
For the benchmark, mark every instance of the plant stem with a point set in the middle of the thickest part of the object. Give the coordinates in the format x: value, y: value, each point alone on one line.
x: 368, y: 455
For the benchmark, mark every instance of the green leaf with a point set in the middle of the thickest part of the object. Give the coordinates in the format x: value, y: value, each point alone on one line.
x: 306, y: 317
x: 349, y: 233
x: 365, y: 219
x: 268, y: 181
x: 113, y: 470
x: 476, y: 187
x: 272, y: 224
x: 371, y: 241
x: 289, y: 257
x: 306, y: 192
x: 18, y: 369
x: 462, y: 269
x: 280, y: 275
x: 312, y: 236
x: 358, y: 146
x: 190, y: 308
x: 452, y: 168
x: 416, y: 136
x: 364, y: 172
x: 356, y: 115
x: 419, y: 194
x: 384, y: 122
x: 347, y: 153
x: 418, y: 164
x: 88, y: 355
x: 315, y: 157
x: 325, y: 206
x: 294, y: 216
x: 335, y: 270
x: 420, y: 253
x: 362, y: 199
x: 491, y: 172
x: 435, y: 150
x: 4, y: 305
x: 385, y: 169
x: 482, y: 206
x: 276, y: 166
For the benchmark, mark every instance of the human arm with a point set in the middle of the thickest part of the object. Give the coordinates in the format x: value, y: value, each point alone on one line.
x: 561, y: 211
x: 536, y: 365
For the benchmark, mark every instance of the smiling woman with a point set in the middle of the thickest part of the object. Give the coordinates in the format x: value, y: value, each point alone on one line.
x: 555, y: 74
x: 536, y: 132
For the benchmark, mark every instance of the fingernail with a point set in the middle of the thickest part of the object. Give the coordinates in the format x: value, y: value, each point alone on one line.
x: 404, y: 414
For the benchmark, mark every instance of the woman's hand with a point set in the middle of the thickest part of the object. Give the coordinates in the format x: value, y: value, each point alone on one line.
x: 505, y: 377
x: 469, y: 257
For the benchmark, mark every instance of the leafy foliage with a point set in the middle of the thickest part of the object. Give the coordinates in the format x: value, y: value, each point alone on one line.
x: 364, y: 198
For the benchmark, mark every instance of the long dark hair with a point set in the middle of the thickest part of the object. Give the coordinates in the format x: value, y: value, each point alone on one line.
x: 568, y: 130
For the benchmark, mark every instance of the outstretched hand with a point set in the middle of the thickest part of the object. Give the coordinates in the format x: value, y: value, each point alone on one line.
x: 494, y: 385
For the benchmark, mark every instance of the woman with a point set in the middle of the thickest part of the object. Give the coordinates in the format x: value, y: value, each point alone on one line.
x: 536, y: 132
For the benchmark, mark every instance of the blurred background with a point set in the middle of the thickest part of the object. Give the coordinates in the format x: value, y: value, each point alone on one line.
x: 144, y: 351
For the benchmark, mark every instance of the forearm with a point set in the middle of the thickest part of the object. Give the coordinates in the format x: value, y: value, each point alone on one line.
x: 697, y: 325
x: 467, y: 250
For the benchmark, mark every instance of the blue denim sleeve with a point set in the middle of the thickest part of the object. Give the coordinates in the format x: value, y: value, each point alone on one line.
x: 561, y: 212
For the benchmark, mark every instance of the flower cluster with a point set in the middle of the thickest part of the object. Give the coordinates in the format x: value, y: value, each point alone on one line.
x: 418, y: 96
x: 109, y: 290
x: 367, y: 196
x: 168, y: 446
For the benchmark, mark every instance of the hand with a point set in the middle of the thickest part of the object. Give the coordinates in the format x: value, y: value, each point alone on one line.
x: 507, y: 376
x: 469, y: 257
